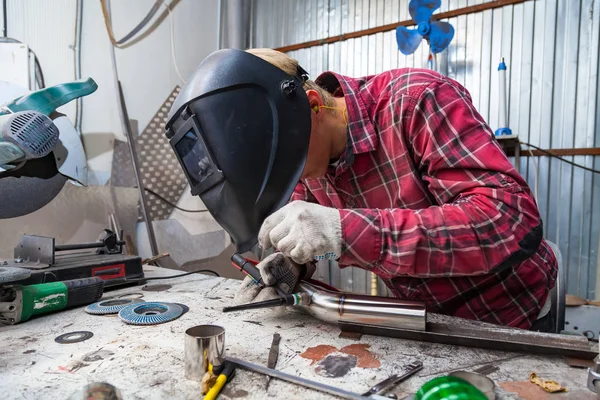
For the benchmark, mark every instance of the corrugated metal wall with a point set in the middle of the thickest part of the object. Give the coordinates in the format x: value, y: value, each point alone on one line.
x: 551, y: 49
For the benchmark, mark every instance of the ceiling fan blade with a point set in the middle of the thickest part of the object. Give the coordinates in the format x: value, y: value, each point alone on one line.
x: 408, y: 40
x: 422, y: 10
x: 440, y: 36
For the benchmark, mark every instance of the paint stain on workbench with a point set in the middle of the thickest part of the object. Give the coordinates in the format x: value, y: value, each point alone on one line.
x: 364, y: 356
x: 335, y: 366
x: 317, y: 353
x: 528, y: 391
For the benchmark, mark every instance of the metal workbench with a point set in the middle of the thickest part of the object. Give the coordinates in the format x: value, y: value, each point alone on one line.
x: 146, y: 362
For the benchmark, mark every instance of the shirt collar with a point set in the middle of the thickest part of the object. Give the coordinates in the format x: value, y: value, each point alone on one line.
x: 361, y: 132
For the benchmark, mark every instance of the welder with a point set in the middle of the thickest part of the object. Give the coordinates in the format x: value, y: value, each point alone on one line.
x: 395, y: 173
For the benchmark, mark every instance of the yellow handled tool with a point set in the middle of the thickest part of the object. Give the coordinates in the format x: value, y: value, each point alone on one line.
x: 226, y: 373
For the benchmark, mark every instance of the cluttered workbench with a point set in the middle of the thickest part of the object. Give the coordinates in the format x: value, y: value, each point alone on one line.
x: 147, y: 362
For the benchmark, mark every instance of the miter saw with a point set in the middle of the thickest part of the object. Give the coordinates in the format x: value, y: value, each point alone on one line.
x: 40, y: 151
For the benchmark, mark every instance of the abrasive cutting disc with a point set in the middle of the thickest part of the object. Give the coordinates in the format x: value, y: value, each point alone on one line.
x: 150, y: 313
x: 110, y: 306
x: 12, y: 274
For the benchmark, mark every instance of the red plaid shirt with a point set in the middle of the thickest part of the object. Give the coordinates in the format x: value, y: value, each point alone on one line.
x: 430, y: 203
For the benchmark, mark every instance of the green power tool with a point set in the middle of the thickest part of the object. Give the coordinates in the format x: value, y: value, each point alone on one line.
x: 26, y: 130
x: 18, y: 303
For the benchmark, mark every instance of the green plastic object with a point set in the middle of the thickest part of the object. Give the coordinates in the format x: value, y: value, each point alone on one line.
x: 449, y: 388
x: 43, y: 298
x: 49, y: 99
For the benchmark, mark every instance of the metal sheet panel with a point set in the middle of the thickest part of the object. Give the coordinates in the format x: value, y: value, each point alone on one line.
x: 551, y: 50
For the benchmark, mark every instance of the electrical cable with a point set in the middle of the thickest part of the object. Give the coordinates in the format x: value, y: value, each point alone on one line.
x: 134, y: 31
x: 548, y: 153
x: 142, y: 24
x: 175, y: 276
x: 77, y: 62
x: 172, y: 23
x: 39, y: 74
x: 158, y: 196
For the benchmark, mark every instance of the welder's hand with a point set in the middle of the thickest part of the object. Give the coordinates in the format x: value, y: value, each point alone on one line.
x: 304, y: 232
x: 276, y: 270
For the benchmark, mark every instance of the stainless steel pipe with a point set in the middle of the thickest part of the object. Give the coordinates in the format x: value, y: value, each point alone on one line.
x: 204, y: 345
x: 359, y: 309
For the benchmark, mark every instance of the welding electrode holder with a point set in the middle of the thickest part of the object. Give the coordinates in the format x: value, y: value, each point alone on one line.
x: 249, y: 268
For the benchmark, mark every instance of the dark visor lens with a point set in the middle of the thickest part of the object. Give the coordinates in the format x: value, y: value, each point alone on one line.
x: 194, y: 158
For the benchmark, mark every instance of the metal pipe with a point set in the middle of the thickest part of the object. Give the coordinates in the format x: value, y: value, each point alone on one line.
x: 219, y: 23
x: 273, y: 373
x: 204, y: 346
x: 490, y: 5
x: 389, y: 312
x: 138, y: 176
x: 77, y: 54
x: 5, y: 18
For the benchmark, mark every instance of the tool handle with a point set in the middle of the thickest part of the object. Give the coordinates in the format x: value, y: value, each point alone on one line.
x: 216, y: 389
x: 83, y: 291
x: 247, y: 267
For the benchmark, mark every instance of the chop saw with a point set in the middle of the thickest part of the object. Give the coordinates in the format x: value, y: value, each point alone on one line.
x: 40, y: 151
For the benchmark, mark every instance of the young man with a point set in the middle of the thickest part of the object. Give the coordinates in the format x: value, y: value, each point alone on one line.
x: 405, y: 179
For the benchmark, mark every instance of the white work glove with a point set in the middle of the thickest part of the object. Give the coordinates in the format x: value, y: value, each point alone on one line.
x: 275, y: 270
x: 304, y: 232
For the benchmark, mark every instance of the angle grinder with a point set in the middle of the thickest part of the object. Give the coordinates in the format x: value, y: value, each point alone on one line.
x: 18, y: 303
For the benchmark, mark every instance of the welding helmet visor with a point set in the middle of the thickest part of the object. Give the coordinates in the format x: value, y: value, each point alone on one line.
x: 240, y: 129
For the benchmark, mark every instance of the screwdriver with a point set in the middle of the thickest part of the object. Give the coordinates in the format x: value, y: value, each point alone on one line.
x: 293, y: 299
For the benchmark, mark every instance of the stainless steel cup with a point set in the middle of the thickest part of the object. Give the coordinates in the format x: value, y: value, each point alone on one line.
x: 204, y: 345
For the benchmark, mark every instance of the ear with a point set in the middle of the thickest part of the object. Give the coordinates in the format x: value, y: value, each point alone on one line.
x: 314, y: 100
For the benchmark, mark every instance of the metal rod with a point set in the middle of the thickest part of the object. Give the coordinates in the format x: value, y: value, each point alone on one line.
x: 273, y: 373
x: 81, y: 246
x: 138, y: 176
x: 125, y: 125
x: 490, y: 5
x: 504, y: 339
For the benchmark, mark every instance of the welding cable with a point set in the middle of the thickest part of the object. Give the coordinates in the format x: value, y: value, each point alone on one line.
x: 172, y: 24
x: 158, y: 196
x: 548, y: 153
x: 158, y: 278
x: 134, y: 31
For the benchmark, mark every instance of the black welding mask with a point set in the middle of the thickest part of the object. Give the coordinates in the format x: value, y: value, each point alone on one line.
x: 240, y: 128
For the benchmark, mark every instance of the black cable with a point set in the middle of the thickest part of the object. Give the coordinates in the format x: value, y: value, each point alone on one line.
x: 153, y: 193
x: 38, y: 72
x: 562, y: 159
x: 175, y: 276
x: 5, y: 17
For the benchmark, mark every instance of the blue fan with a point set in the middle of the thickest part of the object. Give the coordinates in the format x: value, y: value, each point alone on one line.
x: 439, y: 34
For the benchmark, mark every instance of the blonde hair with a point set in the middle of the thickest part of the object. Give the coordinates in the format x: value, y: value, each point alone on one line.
x: 290, y: 66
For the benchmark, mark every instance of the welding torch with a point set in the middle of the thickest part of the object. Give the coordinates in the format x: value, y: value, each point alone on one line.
x: 294, y: 299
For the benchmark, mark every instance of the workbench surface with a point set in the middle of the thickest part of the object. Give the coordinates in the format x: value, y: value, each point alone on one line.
x: 146, y: 362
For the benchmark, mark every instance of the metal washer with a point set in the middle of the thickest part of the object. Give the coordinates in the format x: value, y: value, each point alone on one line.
x: 73, y: 337
x: 150, y: 313
x: 110, y: 306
